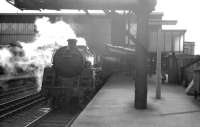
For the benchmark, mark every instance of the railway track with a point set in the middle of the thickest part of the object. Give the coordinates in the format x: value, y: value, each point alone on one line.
x: 26, y: 116
x: 39, y: 116
x: 20, y: 112
x: 16, y: 90
x: 9, y: 107
x: 54, y: 119
x: 13, y: 95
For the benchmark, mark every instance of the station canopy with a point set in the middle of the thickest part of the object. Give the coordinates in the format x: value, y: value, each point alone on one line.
x: 82, y: 4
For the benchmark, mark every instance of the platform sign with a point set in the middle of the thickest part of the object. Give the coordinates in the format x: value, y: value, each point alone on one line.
x: 162, y: 22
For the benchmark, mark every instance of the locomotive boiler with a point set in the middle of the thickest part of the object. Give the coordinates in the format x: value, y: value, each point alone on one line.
x: 69, y: 82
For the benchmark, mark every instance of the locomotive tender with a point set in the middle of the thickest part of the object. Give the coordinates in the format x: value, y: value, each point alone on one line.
x: 70, y: 81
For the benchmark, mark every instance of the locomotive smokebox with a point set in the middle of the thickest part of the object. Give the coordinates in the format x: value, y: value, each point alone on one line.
x: 68, y: 61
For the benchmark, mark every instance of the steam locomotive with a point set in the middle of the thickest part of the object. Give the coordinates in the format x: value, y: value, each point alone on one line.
x: 70, y: 81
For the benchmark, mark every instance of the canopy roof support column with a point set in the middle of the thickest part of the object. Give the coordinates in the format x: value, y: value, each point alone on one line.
x: 141, y: 56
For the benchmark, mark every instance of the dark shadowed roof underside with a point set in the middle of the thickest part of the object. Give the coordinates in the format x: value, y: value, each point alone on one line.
x: 83, y: 4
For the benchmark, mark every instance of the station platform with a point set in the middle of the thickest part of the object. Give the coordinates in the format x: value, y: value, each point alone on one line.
x: 113, y: 106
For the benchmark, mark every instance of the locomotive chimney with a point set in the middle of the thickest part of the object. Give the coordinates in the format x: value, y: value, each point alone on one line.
x: 72, y: 43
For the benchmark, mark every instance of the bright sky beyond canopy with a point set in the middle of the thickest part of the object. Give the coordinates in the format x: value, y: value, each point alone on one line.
x: 187, y: 14
x: 185, y: 11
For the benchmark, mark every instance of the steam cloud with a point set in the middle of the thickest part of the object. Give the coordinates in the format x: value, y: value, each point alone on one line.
x: 38, y: 54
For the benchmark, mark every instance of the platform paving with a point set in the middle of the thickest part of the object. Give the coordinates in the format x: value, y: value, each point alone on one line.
x: 113, y: 106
